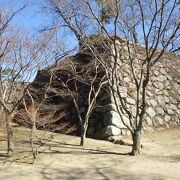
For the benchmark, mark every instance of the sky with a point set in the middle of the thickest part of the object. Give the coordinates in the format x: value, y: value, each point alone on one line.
x: 29, y: 18
x: 33, y: 20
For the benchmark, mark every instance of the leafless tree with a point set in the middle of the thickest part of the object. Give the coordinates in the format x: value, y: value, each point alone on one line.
x: 21, y: 57
x: 32, y: 108
x: 11, y: 70
x: 72, y: 19
x: 157, y: 24
x: 82, y: 81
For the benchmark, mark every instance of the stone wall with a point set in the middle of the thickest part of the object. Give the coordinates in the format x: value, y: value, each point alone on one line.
x: 163, y: 103
x: 163, y: 91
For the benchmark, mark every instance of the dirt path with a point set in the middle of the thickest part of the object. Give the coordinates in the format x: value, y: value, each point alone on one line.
x: 62, y: 158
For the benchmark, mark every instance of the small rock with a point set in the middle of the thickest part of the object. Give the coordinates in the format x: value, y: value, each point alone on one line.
x: 159, y: 65
x: 158, y: 92
x: 153, y: 78
x: 167, y: 85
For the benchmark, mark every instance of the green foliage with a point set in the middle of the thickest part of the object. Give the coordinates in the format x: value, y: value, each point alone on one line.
x: 106, y: 12
x: 10, y: 73
x: 95, y: 38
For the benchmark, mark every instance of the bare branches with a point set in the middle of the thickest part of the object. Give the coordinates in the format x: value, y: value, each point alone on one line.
x: 5, y: 24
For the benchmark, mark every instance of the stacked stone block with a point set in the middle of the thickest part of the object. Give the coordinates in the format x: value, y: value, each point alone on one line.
x: 163, y: 107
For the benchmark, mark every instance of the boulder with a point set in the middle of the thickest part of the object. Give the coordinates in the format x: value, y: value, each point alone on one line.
x: 158, y: 85
x: 167, y: 85
x: 156, y: 72
x: 170, y: 112
x: 127, y: 79
x: 149, y: 129
x: 173, y: 107
x: 110, y: 131
x: 150, y: 111
x: 114, y: 139
x: 169, y: 77
x: 158, y: 92
x: 130, y: 101
x: 90, y: 132
x: 113, y: 118
x: 159, y: 120
x: 166, y: 99
x: 123, y: 91
x: 167, y: 118
x: 162, y: 71
x: 148, y: 120
x: 160, y: 111
x: 160, y: 100
x: 165, y: 92
x: 153, y: 78
x: 106, y: 108
x: 150, y: 94
x: 161, y: 78
x: 152, y: 102
x: 173, y: 100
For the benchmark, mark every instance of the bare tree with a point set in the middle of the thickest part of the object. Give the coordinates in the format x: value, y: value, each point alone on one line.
x: 72, y: 19
x: 21, y: 57
x: 11, y: 70
x: 32, y: 109
x: 82, y: 81
x: 159, y: 27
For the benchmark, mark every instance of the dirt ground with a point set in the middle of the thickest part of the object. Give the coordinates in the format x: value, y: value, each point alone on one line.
x: 61, y: 157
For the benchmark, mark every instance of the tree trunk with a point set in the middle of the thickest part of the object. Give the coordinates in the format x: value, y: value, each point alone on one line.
x: 82, y: 140
x: 136, y: 137
x: 34, y: 151
x: 10, y: 144
x: 82, y: 136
